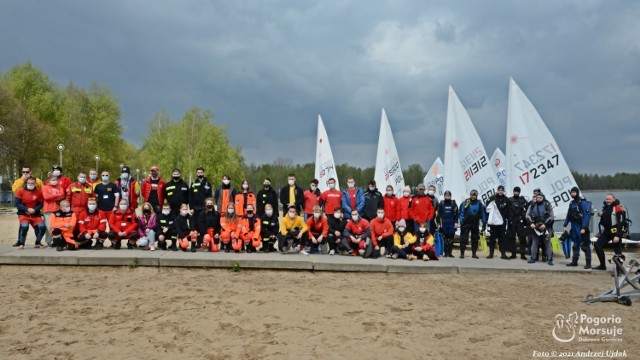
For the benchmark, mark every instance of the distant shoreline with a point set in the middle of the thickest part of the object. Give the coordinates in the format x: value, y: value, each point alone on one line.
x: 609, y: 190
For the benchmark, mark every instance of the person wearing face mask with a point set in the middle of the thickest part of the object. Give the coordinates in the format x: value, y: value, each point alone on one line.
x: 123, y: 226
x: 403, y: 207
x: 421, y: 208
x: 176, y: 192
x: 292, y: 194
x: 293, y: 232
x: 107, y: 194
x: 186, y: 229
x: 540, y: 219
x: 447, y: 220
x: 229, y: 231
x: 331, y: 198
x: 471, y: 214
x: 165, y: 229
x: 129, y: 188
x: 249, y: 226
x: 56, y: 170
x: 423, y: 247
x: 244, y: 198
x: 335, y: 236
x: 318, y: 230
x: 224, y: 194
x: 209, y: 226
x: 311, y: 199
x: 147, y: 224
x: 92, y: 225
x: 357, y: 233
x: 199, y: 191
x: 52, y: 193
x: 152, y: 189
x: 78, y: 193
x: 431, y: 193
x: 579, y: 216
x: 372, y: 201
x: 352, y: 199
x: 391, y: 205
x: 93, y: 179
x: 29, y: 202
x: 403, y: 240
x: 63, y: 222
x: 269, y: 228
x: 381, y: 235
x: 266, y: 196
x: 498, y: 224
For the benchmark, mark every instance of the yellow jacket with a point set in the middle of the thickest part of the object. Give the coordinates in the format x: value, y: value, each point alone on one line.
x: 287, y: 224
x: 408, y: 238
x: 20, y: 183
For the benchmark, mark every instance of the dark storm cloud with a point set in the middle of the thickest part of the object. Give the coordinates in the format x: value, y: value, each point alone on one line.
x: 268, y: 68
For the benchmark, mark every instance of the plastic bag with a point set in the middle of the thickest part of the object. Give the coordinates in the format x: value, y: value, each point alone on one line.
x: 555, y: 245
x: 483, y: 243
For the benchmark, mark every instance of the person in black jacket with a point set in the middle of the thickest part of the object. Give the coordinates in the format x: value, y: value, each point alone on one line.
x: 517, y: 224
x: 209, y: 225
x: 165, y: 230
x: 292, y: 194
x: 185, y: 229
x: 176, y: 192
x: 337, y: 224
x: 199, y: 191
x: 266, y: 196
x: 498, y: 232
x: 372, y: 201
x: 269, y: 228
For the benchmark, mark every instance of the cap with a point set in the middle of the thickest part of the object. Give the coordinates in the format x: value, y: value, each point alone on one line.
x: 154, y: 168
x: 421, y: 186
x: 56, y: 167
x: 500, y: 187
x: 125, y: 169
x: 401, y: 222
x: 474, y: 192
x: 516, y: 189
x: 447, y: 192
x: 536, y: 190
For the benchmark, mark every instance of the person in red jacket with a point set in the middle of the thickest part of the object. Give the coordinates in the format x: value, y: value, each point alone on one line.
x: 123, y: 225
x: 402, y: 211
x: 52, y: 193
x: 318, y: 230
x: 421, y: 208
x: 381, y: 234
x: 63, y: 222
x: 391, y: 205
x: 29, y: 202
x: 331, y: 199
x: 311, y: 198
x: 129, y: 188
x: 92, y: 225
x: 78, y: 193
x: 56, y: 170
x: 357, y: 233
x: 153, y: 189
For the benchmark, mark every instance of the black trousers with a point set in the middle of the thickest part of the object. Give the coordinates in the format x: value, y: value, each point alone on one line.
x: 465, y: 230
x: 283, y: 240
x: 498, y: 232
x: 603, y: 240
x: 517, y: 229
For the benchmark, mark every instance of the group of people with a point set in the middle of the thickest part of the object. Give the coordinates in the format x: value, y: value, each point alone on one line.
x: 176, y: 216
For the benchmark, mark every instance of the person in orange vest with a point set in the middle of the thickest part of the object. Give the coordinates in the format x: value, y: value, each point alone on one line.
x: 129, y: 188
x: 229, y: 230
x: 330, y: 199
x: 93, y: 179
x: 391, y: 205
x: 311, y: 198
x: 63, y: 222
x: 78, y: 193
x: 123, y: 225
x: 224, y: 194
x: 318, y: 230
x: 29, y: 202
x: 250, y: 230
x: 244, y: 199
x: 381, y: 235
x: 92, y: 225
x: 52, y: 194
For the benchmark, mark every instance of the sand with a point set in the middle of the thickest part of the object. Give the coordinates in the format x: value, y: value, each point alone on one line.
x: 151, y: 313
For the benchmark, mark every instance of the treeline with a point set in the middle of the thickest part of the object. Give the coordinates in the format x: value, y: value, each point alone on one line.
x: 618, y: 181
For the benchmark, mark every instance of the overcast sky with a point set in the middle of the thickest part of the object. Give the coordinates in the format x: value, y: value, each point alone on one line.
x: 268, y: 68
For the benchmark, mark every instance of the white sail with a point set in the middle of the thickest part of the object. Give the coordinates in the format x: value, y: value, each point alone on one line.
x: 466, y: 163
x: 498, y: 164
x: 533, y: 157
x: 388, y: 170
x: 325, y: 166
x: 435, y: 177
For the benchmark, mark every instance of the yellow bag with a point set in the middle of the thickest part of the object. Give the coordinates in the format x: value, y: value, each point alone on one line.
x: 483, y: 243
x: 555, y: 244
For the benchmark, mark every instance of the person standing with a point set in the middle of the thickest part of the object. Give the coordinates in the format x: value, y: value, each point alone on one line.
x: 78, y: 193
x: 244, y: 198
x: 421, y: 209
x: 372, y: 201
x: 517, y: 224
x: 471, y: 215
x: 266, y: 196
x: 292, y: 194
x: 199, y: 191
x: 153, y: 189
x: 498, y: 230
x: 176, y: 192
x: 391, y: 205
x: 431, y: 193
x: 224, y: 194
x: 579, y: 216
x: 21, y: 181
x: 540, y: 218
x: 52, y: 194
x: 403, y: 208
x: 129, y: 188
x: 107, y: 195
x: 29, y: 202
x: 331, y: 198
x: 447, y: 220
x: 613, y: 220
x: 311, y: 199
x: 63, y: 181
x: 93, y: 179
x: 352, y: 199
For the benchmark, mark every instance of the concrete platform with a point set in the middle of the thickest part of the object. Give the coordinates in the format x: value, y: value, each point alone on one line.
x: 275, y: 261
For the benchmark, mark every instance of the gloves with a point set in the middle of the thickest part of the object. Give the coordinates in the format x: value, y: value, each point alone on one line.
x: 484, y: 227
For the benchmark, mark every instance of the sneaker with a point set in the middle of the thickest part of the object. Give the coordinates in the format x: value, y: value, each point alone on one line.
x: 332, y: 252
x: 523, y: 257
x: 600, y: 267
x: 550, y: 262
x: 531, y: 261
x: 588, y: 266
x: 16, y: 244
x: 304, y: 252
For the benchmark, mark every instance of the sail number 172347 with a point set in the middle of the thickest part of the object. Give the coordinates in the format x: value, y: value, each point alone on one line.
x: 539, y: 170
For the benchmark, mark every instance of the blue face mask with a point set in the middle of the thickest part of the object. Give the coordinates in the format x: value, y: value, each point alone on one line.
x: 82, y: 180
x: 93, y: 177
x: 105, y: 178
x: 124, y: 176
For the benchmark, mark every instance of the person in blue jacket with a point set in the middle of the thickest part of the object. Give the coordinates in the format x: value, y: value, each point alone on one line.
x: 579, y: 215
x: 447, y: 221
x: 352, y: 199
x: 472, y: 213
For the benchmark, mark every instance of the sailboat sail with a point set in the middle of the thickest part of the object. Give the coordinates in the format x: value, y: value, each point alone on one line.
x: 533, y: 157
x: 325, y: 166
x: 435, y: 177
x: 498, y: 163
x: 466, y: 163
x: 388, y: 170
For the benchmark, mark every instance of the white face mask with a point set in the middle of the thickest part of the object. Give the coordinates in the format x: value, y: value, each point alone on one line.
x: 92, y: 207
x: 354, y: 217
x: 316, y: 215
x: 389, y: 193
x: 313, y: 187
x: 231, y: 211
x: 332, y: 186
x: 123, y: 207
x: 166, y: 212
x: 56, y: 173
x: 53, y: 182
x: 351, y: 185
x: 269, y: 212
x: 31, y: 187
x: 245, y: 186
x: 406, y: 194
x: 184, y: 212
x: 431, y: 192
x: 226, y: 181
x: 372, y: 188
x: 401, y: 229
x: 380, y: 216
x: 67, y: 209
x: 423, y: 229
x: 291, y: 182
x: 292, y: 215
x: 337, y: 215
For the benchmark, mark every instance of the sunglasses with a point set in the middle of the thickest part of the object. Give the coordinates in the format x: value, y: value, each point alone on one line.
x: 26, y: 172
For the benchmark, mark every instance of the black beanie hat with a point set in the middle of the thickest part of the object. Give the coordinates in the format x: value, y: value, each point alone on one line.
x: 516, y: 189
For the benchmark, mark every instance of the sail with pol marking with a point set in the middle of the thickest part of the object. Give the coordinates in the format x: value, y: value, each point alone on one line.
x: 466, y: 163
x: 435, y: 177
x: 498, y: 164
x: 533, y: 158
x: 388, y: 170
x: 325, y: 166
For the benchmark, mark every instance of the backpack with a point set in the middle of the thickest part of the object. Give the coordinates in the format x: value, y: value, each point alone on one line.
x: 625, y: 224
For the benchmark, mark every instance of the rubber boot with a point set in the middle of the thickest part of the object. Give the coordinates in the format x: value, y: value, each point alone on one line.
x: 473, y: 255
x: 574, y: 262
x: 462, y: 249
x: 491, y: 249
x: 588, y: 265
x: 193, y: 246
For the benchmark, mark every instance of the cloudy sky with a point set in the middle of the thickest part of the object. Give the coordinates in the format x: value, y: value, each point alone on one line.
x: 268, y: 68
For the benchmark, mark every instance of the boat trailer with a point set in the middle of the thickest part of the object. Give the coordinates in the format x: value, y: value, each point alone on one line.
x: 627, y: 283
